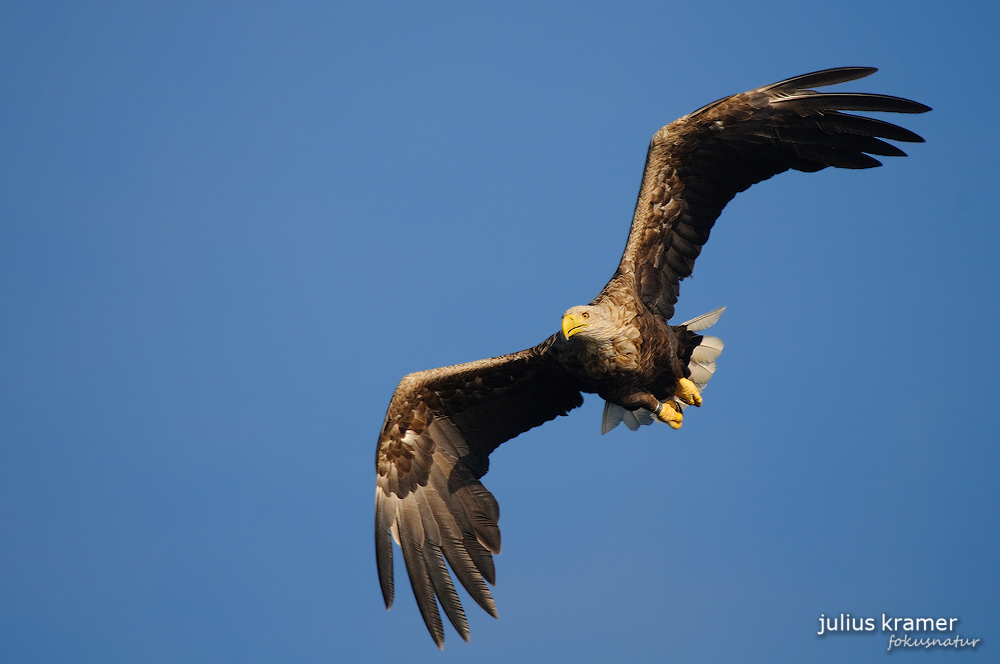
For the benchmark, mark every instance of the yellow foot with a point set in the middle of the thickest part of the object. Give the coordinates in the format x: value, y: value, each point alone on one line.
x: 687, y: 392
x: 669, y: 413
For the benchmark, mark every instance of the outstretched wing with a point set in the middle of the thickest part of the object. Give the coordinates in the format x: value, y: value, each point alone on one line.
x: 697, y: 164
x: 438, y: 433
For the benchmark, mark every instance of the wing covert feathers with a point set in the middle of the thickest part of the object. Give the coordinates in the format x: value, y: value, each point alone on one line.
x: 698, y: 163
x: 438, y: 433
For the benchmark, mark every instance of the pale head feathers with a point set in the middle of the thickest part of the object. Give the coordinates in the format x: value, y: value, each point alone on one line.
x: 606, y: 338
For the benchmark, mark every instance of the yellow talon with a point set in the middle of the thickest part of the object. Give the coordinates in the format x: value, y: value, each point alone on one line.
x: 687, y: 392
x: 671, y: 414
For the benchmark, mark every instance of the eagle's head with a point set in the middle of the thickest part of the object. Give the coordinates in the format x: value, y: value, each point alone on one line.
x: 591, y: 322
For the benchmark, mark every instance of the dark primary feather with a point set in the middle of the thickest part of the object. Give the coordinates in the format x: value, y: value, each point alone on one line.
x: 697, y: 164
x: 440, y: 429
x: 442, y: 424
x: 820, y: 79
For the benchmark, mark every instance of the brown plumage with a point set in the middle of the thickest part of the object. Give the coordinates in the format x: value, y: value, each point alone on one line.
x: 442, y: 424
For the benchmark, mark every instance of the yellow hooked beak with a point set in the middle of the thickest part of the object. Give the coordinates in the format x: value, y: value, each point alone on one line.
x: 571, y: 324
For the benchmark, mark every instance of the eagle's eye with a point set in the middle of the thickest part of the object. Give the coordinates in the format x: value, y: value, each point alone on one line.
x: 586, y: 314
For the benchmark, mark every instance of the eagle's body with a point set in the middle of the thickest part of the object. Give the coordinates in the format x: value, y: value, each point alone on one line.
x: 634, y: 361
x: 442, y: 424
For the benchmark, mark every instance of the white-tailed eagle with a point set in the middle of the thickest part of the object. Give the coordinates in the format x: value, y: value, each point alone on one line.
x: 443, y: 424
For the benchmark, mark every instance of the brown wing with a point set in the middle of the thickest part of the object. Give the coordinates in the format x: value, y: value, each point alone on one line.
x: 438, y: 433
x: 698, y: 163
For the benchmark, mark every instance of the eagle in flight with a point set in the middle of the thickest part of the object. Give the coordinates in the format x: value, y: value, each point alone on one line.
x: 442, y: 424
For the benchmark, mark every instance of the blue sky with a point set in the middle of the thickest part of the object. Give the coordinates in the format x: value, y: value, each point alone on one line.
x: 228, y: 229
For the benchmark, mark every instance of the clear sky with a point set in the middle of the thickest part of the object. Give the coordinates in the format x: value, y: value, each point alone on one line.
x: 228, y: 229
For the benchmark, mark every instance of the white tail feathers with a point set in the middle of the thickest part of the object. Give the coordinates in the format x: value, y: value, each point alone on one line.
x: 704, y: 321
x: 701, y: 366
x: 707, y: 350
x: 613, y: 414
